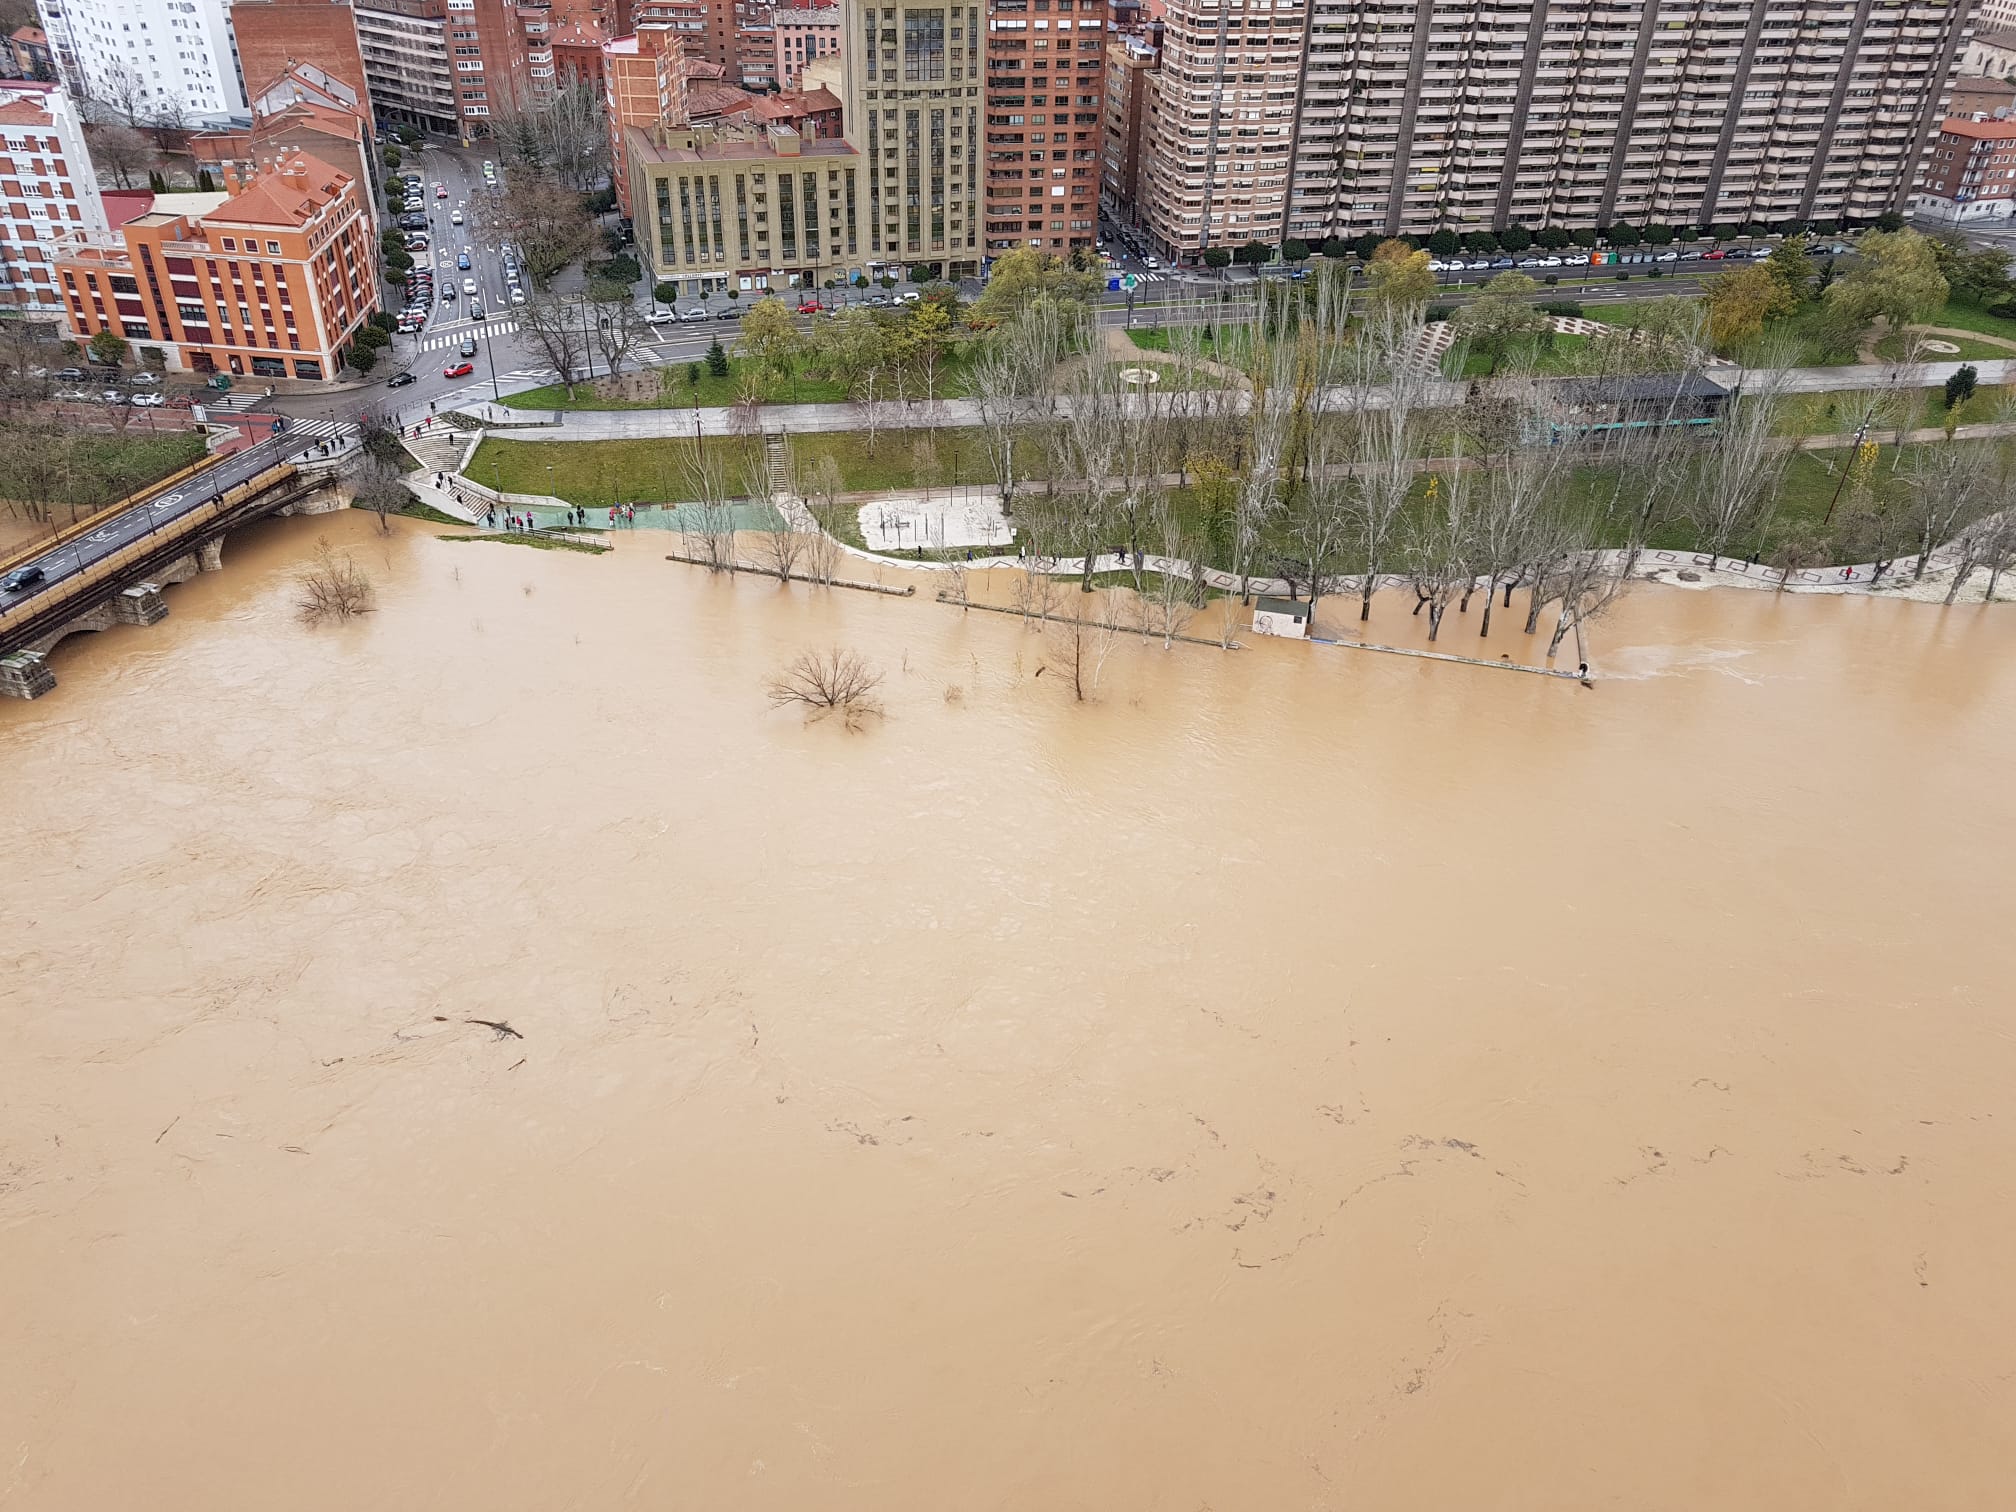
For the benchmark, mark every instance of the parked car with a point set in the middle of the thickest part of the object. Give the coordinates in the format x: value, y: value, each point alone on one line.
x: 1716, y: 255
x: 458, y: 370
x: 731, y: 313
x: 145, y: 380
x: 411, y: 222
x: 696, y: 313
x: 810, y: 307
x: 69, y: 375
x: 1151, y: 264
x: 400, y: 380
x: 73, y: 396
x: 22, y: 577
x: 661, y: 317
x: 1668, y: 257
x: 149, y: 401
x: 111, y: 396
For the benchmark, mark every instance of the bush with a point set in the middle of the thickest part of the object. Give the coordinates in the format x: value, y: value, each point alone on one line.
x: 1294, y: 251
x: 1583, y: 236
x: 1551, y: 280
x: 1336, y: 246
x: 1217, y: 257
x: 1658, y: 235
x: 1686, y: 233
x: 362, y: 358
x: 370, y: 336
x: 1366, y: 244
x: 666, y: 293
x: 1755, y: 229
x: 1440, y: 312
x: 1515, y: 238
x: 410, y: 135
x: 392, y: 156
x: 1890, y: 220
x: 2003, y: 309
x: 383, y: 320
x: 1723, y: 231
x: 1622, y: 277
x: 1443, y: 243
x: 1567, y: 307
x: 1655, y: 273
x: 1960, y: 387
x: 1553, y: 238
x: 1622, y: 235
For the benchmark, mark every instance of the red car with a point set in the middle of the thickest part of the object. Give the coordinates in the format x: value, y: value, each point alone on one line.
x: 1718, y: 253
x: 809, y: 308
x: 460, y: 370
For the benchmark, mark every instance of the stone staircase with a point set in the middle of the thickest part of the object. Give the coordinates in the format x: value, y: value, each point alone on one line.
x: 777, y: 463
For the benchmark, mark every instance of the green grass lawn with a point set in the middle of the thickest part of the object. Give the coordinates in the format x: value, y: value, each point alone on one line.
x: 1555, y: 354
x: 676, y: 388
x: 86, y: 470
x: 1960, y: 316
x: 1891, y: 349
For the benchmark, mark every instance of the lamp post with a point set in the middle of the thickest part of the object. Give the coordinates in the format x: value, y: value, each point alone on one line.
x: 1854, y: 454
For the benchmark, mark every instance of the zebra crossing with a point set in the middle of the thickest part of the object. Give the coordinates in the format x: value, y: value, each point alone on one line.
x: 334, y: 430
x: 482, y: 330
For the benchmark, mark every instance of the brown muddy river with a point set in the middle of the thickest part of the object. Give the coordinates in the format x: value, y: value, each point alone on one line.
x: 1298, y: 1079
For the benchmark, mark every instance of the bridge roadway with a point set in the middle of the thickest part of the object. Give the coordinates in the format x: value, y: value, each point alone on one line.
x: 158, y: 512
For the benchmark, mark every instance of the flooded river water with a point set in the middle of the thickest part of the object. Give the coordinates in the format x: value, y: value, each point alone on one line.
x: 1298, y: 1078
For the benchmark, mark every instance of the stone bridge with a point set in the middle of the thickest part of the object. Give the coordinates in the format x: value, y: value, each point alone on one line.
x: 124, y: 585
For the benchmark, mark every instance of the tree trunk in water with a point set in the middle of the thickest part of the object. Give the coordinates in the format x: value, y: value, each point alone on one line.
x: 1560, y: 632
x: 1490, y: 597
x: 1365, y: 597
x: 1994, y: 577
x: 1533, y: 607
x: 1960, y: 575
x: 1435, y: 612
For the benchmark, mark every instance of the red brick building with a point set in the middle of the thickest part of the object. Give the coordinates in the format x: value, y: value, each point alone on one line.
x: 1970, y: 173
x: 1045, y: 123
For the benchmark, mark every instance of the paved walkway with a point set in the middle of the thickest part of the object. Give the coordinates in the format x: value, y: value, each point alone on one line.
x: 952, y: 414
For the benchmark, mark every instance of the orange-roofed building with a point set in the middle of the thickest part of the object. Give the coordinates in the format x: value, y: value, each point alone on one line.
x: 271, y: 282
x: 1969, y: 175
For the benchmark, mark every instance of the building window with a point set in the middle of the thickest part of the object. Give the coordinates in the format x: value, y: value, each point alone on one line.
x: 303, y: 368
x: 272, y: 249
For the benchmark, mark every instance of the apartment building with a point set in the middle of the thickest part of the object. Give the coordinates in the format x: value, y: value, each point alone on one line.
x: 1222, y: 132
x: 47, y: 187
x: 271, y: 282
x: 447, y: 66
x: 912, y: 103
x: 754, y: 210
x: 801, y: 37
x: 304, y: 111
x: 152, y: 61
x: 1045, y: 107
x: 1131, y: 65
x: 1416, y: 115
x: 28, y: 50
x: 1970, y: 173
x: 705, y: 28
x: 274, y: 35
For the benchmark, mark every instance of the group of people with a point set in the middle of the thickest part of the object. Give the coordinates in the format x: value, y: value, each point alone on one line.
x: 511, y: 521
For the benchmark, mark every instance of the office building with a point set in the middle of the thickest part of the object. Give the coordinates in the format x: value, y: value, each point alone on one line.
x: 271, y: 282
x: 912, y: 105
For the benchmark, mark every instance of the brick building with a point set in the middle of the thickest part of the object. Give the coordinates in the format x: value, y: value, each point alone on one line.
x: 271, y: 282
x: 47, y: 188
x: 1970, y: 173
x: 273, y: 35
x: 1131, y: 63
x: 1045, y: 111
x: 799, y: 37
x: 447, y: 66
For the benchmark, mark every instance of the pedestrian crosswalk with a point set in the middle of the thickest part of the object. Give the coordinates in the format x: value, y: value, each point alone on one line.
x: 319, y: 429
x: 482, y: 331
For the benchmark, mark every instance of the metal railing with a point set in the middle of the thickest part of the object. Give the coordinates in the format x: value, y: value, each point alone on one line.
x: 31, y: 550
x: 159, y: 533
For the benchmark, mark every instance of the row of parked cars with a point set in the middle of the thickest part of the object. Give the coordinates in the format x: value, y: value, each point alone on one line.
x: 1611, y: 259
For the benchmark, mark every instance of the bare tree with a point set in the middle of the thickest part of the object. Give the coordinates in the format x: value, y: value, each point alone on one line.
x: 619, y: 331
x: 565, y: 134
x: 780, y: 542
x: 543, y: 219
x: 1166, y: 603
x: 557, y: 325
x: 1948, y: 490
x: 376, y: 486
x: 829, y: 681
x: 1735, y: 487
x: 1384, y: 368
x: 1082, y: 644
x: 708, y: 518
x: 1438, y: 545
x: 335, y: 587
x: 120, y: 151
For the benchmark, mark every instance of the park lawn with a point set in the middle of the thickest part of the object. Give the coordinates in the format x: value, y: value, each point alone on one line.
x: 1961, y: 316
x: 1825, y: 414
x: 1891, y: 349
x: 677, y: 390
x: 605, y: 473
x: 1555, y: 356
x: 1214, y: 345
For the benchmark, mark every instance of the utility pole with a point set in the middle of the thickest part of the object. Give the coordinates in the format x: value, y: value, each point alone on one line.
x: 1854, y: 453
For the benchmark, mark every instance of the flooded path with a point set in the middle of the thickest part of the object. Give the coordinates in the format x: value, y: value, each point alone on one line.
x: 1296, y: 1079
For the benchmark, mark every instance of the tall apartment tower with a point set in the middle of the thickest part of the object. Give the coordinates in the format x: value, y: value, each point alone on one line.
x: 1222, y: 136
x: 1415, y: 115
x: 912, y: 77
x: 447, y: 65
x: 1046, y: 93
x: 171, y: 61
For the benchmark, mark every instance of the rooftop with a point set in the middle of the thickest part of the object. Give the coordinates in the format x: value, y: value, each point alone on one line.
x: 163, y: 209
x: 291, y: 194
x: 1981, y: 131
x: 644, y: 149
